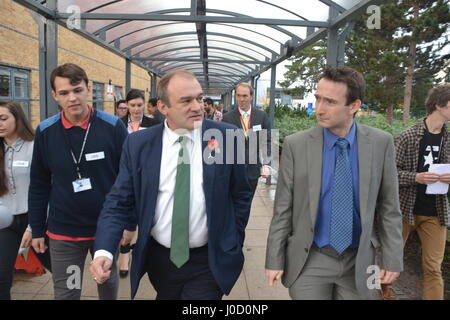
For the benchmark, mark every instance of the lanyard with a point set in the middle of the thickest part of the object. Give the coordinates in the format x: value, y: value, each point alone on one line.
x: 75, y: 161
x: 246, y: 126
x: 130, y: 123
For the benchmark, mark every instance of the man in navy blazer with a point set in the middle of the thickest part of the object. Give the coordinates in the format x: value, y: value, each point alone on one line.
x: 219, y: 193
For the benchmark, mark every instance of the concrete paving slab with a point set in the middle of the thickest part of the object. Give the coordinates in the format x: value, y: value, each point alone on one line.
x: 260, y: 290
x: 255, y: 238
x: 258, y: 222
x: 240, y: 290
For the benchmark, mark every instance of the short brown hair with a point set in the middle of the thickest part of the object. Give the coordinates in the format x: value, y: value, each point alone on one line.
x: 246, y: 85
x: 24, y: 131
x: 164, y: 83
x: 71, y: 71
x: 356, y: 85
x: 438, y: 96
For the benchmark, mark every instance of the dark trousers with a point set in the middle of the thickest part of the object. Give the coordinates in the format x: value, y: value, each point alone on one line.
x: 10, y: 239
x: 253, y: 185
x: 193, y: 281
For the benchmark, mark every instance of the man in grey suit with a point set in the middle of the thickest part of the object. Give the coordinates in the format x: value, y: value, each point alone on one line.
x: 336, y: 201
x: 255, y: 125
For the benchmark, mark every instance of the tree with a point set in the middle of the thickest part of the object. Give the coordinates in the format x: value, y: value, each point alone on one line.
x: 376, y: 54
x: 399, y: 61
x: 424, y: 22
x: 305, y: 69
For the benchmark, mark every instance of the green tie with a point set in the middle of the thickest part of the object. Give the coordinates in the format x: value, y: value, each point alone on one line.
x: 179, y: 247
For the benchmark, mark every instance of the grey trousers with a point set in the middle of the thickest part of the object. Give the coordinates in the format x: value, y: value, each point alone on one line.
x: 327, y: 276
x: 68, y: 258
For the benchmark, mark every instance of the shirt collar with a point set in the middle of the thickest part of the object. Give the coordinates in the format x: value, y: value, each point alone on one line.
x: 242, y: 111
x: 17, y: 145
x: 67, y: 125
x: 140, y: 121
x: 331, y: 138
x: 173, y: 136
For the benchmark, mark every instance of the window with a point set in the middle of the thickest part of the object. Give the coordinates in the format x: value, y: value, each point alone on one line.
x: 15, y: 85
x: 98, y: 95
x: 118, y: 93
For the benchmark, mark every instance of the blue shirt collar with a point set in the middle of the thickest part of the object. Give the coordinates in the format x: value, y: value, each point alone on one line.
x: 330, y: 138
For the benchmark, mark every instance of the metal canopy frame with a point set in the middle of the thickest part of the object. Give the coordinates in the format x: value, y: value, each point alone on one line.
x: 233, y: 45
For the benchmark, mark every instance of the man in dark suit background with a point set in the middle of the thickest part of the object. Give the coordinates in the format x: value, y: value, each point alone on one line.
x: 191, y: 211
x: 253, y: 122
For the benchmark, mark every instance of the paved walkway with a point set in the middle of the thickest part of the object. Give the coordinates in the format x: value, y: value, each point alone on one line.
x: 251, y: 285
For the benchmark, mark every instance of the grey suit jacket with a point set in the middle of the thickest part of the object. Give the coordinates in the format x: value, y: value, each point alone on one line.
x: 263, y: 149
x: 297, y: 201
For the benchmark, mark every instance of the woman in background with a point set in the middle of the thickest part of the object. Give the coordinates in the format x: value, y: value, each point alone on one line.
x: 16, y: 150
x: 135, y: 120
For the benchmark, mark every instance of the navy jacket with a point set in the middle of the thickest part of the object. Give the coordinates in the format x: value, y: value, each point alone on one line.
x: 53, y: 171
x: 227, y: 195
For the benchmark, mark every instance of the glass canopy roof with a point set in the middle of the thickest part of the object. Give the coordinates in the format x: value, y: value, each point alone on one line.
x: 222, y: 41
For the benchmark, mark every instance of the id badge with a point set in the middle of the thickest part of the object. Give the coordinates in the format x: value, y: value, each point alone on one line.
x: 257, y: 128
x: 81, y: 185
x: 22, y: 164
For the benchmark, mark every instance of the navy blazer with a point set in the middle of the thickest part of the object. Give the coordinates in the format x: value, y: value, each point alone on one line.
x: 227, y: 195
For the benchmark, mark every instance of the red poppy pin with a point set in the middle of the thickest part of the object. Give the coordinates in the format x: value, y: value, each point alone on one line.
x: 213, y: 145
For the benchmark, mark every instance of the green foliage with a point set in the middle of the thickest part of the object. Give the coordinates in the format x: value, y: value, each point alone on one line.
x: 288, y: 124
x: 381, y: 55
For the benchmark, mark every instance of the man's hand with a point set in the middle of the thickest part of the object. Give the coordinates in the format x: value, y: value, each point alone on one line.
x: 265, y: 171
x: 427, y: 177
x: 445, y: 178
x: 39, y: 245
x: 26, y: 240
x: 101, y: 269
x: 273, y: 276
x: 127, y: 236
x: 388, y: 277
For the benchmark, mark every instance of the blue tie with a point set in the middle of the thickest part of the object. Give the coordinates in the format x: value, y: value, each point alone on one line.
x: 341, y: 226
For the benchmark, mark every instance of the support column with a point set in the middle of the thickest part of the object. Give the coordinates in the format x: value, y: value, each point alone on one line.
x: 341, y: 42
x: 153, y: 88
x: 127, y: 76
x: 273, y: 79
x: 48, y: 61
x: 332, y: 41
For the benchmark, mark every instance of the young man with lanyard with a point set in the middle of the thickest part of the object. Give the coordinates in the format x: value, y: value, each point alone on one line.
x: 75, y: 162
x: 417, y: 148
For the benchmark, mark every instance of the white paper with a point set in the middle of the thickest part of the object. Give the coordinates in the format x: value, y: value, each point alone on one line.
x: 438, y: 187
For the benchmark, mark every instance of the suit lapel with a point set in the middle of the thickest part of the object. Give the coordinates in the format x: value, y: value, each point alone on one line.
x: 152, y: 170
x: 365, y: 165
x: 314, y: 158
x: 237, y: 119
x: 208, y: 173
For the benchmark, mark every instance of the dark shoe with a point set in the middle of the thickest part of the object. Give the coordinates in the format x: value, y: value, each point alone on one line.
x: 123, y: 273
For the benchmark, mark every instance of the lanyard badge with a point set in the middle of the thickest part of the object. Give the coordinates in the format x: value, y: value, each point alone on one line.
x: 80, y: 184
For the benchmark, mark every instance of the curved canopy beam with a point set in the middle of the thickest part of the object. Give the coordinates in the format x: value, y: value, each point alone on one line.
x: 180, y: 10
x: 215, y: 40
x: 191, y: 33
x: 196, y: 47
x: 190, y: 58
x: 242, y: 73
x: 171, y: 23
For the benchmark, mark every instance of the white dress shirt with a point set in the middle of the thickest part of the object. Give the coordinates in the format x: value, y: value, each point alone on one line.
x: 162, y: 228
x: 198, y: 230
